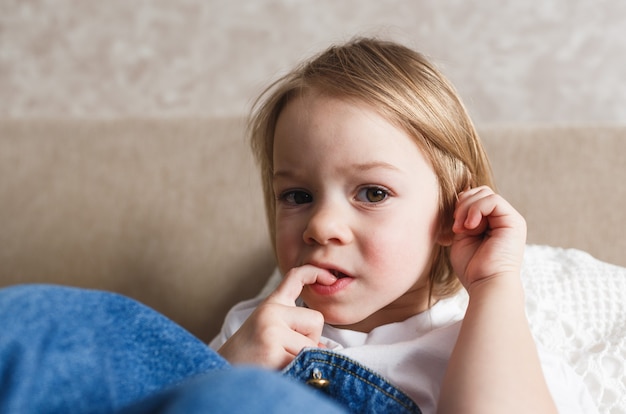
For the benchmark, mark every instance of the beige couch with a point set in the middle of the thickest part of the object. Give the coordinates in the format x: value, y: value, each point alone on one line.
x: 169, y: 211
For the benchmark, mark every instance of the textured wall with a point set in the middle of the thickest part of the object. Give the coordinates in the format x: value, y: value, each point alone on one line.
x: 538, y: 61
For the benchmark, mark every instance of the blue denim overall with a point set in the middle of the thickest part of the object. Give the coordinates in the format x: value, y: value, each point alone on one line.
x: 354, y: 386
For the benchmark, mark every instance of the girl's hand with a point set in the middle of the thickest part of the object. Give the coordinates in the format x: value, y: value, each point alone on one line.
x: 278, y: 330
x: 489, y: 237
x: 494, y: 364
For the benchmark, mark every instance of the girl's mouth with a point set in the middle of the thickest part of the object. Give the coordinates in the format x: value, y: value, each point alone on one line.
x: 342, y: 282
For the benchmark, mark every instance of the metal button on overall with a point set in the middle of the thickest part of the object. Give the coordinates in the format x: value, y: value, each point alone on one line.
x: 317, y: 380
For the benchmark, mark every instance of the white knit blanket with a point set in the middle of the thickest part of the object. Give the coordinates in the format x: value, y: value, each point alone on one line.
x: 576, y: 306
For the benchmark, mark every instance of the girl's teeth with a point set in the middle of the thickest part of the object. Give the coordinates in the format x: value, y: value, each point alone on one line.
x: 337, y: 274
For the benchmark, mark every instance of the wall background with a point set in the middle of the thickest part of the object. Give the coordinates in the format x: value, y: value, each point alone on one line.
x: 540, y: 61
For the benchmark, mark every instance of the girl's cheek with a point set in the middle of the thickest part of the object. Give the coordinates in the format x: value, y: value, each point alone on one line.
x: 285, y: 253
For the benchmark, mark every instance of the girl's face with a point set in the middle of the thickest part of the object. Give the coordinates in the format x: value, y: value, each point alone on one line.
x: 355, y: 196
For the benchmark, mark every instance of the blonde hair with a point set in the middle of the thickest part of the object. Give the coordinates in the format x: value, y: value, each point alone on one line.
x: 407, y: 91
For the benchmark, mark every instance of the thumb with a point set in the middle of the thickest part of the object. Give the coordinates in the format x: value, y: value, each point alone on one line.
x: 294, y: 281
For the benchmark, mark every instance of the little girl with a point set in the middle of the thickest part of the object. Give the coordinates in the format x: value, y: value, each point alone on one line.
x: 381, y: 212
x: 380, y: 209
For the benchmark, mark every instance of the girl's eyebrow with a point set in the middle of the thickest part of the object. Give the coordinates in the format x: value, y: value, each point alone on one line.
x: 373, y: 165
x: 282, y: 173
x: 360, y: 167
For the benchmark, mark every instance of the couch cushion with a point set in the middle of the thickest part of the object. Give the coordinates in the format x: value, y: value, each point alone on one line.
x: 567, y: 181
x: 166, y: 211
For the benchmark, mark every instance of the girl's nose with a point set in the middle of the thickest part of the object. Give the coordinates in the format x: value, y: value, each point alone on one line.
x: 327, y: 225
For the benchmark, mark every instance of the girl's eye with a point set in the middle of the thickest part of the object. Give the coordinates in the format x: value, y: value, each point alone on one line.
x: 296, y: 197
x: 372, y: 194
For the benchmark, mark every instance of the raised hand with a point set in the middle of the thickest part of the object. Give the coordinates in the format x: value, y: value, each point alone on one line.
x: 489, y: 236
x: 278, y: 330
x: 494, y: 364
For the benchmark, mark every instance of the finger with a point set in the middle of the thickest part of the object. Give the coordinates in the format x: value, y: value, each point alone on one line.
x: 296, y: 343
x: 298, y: 328
x: 479, y: 212
x: 472, y: 206
x: 485, y: 210
x: 294, y: 281
x: 307, y: 322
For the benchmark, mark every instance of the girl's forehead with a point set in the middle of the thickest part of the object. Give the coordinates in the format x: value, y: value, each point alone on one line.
x: 310, y: 103
x: 336, y: 129
x: 340, y: 115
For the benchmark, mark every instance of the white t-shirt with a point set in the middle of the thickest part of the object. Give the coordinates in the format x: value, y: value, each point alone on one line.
x: 413, y: 354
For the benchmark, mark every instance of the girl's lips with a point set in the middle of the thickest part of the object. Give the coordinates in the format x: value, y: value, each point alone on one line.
x: 342, y: 282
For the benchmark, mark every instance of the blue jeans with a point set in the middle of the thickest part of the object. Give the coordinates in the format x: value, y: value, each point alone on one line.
x: 82, y: 351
